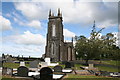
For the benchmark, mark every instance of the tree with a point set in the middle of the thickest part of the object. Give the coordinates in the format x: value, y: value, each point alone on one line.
x: 109, y: 46
x: 97, y: 47
x: 89, y: 48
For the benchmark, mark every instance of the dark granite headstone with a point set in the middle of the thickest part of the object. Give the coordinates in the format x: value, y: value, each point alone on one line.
x: 68, y: 65
x: 22, y: 71
x: 34, y: 64
x: 46, y: 73
x: 57, y: 69
x: 72, y: 64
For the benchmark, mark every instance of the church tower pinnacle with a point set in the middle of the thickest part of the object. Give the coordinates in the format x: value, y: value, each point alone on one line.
x: 50, y: 13
x: 58, y: 11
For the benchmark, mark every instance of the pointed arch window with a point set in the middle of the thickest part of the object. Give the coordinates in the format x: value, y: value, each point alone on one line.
x: 53, y: 48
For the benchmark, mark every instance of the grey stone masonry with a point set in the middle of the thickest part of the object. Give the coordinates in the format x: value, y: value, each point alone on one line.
x: 56, y: 48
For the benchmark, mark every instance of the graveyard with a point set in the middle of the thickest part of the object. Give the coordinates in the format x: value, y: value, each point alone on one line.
x: 31, y: 70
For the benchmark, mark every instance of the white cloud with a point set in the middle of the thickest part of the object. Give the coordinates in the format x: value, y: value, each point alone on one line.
x: 106, y: 24
x: 19, y: 21
x: 68, y: 34
x: 27, y: 44
x: 31, y: 23
x: 27, y: 38
x: 5, y: 24
x: 76, y: 12
x: 31, y: 10
x: 35, y: 24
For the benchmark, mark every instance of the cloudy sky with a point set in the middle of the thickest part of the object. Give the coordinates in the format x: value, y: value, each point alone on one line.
x: 24, y: 24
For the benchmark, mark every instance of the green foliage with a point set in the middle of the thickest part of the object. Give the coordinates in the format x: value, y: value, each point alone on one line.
x: 97, y: 47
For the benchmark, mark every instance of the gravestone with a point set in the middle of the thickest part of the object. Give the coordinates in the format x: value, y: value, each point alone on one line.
x: 44, y: 64
x: 91, y: 66
x: 67, y: 65
x: 9, y: 60
x: 4, y: 71
x: 22, y: 71
x: 57, y: 69
x: 7, y: 71
x: 47, y: 60
x: 22, y: 63
x: 34, y: 64
x: 1, y: 64
x: 46, y: 73
x: 72, y: 64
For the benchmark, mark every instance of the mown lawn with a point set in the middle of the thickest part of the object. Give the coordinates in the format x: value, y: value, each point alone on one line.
x: 109, y: 69
x: 77, y: 66
x: 87, y: 77
x: 13, y: 65
x: 70, y: 77
x: 12, y: 78
x: 15, y: 79
x: 111, y: 62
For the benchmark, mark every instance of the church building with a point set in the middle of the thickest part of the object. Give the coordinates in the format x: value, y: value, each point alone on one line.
x: 56, y: 48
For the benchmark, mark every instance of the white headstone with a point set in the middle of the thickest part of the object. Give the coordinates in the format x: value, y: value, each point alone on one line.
x: 22, y: 63
x: 47, y: 60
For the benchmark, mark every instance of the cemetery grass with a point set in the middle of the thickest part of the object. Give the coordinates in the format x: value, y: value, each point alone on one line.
x: 69, y: 77
x: 109, y: 69
x: 13, y: 65
x: 87, y: 77
x: 77, y: 67
x: 12, y: 78
x: 107, y: 62
x: 103, y: 68
x: 111, y: 62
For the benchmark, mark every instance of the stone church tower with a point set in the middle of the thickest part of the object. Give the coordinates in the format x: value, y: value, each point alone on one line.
x: 56, y: 48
